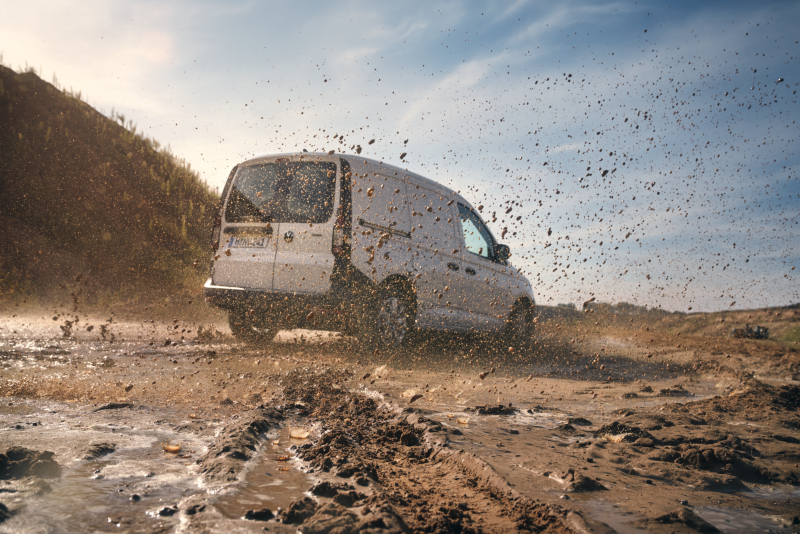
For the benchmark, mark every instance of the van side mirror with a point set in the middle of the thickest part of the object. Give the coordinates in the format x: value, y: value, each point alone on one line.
x: 502, y: 252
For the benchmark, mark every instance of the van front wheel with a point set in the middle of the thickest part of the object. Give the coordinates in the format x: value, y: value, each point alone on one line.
x: 519, y: 331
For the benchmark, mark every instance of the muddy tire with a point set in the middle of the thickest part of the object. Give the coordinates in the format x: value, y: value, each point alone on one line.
x: 519, y: 331
x: 390, y: 322
x: 245, y: 329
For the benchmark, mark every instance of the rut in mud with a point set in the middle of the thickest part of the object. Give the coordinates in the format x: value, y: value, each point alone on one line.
x: 382, y: 468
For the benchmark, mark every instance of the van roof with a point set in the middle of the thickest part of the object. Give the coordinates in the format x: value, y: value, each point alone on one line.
x: 355, y: 160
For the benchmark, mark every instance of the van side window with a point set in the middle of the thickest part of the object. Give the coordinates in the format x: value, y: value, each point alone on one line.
x: 476, y: 237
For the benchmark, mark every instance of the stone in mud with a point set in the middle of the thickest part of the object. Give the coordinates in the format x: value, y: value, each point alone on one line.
x: 681, y: 516
x: 644, y: 442
x: 299, y: 511
x: 621, y: 432
x: 168, y: 511
x: 19, y: 462
x: 99, y: 449
x: 265, y: 514
x: 629, y: 395
x: 567, y: 428
x: 579, y: 421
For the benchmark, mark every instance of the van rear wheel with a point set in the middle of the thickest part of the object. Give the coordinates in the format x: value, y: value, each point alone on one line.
x: 246, y: 328
x: 392, y: 319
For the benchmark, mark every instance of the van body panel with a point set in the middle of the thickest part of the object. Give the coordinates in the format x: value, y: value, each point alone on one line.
x: 246, y: 258
x: 436, y: 258
x: 381, y: 223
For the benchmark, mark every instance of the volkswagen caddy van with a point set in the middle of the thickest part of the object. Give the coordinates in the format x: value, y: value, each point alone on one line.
x: 345, y: 243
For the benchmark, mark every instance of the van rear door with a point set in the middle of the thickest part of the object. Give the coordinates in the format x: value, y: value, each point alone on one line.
x: 307, y: 195
x: 247, y: 246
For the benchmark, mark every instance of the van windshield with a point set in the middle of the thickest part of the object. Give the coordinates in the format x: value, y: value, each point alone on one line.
x: 295, y: 191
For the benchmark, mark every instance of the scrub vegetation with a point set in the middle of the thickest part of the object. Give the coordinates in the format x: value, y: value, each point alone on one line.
x: 90, y: 207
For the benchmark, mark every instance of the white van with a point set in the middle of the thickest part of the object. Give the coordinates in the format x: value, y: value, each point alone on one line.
x: 341, y: 242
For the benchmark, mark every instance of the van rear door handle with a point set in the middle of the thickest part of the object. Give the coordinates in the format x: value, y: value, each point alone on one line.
x: 470, y: 270
x: 452, y: 266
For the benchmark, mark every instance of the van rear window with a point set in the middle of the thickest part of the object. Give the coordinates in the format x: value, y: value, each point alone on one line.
x: 295, y: 191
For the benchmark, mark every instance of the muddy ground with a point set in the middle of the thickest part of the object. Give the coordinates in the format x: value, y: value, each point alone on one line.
x: 606, y: 426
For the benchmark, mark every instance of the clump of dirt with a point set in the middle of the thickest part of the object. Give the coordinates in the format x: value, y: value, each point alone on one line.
x: 681, y: 516
x: 265, y: 514
x: 675, y: 391
x: 579, y: 421
x: 210, y: 335
x: 618, y: 432
x: 757, y: 402
x: 731, y: 456
x: 19, y: 462
x: 237, y: 444
x: 498, y: 409
x: 114, y: 406
x: 99, y: 449
x: 576, y: 482
x: 333, y: 517
x: 329, y: 489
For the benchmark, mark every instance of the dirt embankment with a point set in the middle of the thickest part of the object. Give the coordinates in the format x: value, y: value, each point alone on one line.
x: 91, y: 210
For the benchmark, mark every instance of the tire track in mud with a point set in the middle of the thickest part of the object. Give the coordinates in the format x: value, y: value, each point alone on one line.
x: 381, y: 469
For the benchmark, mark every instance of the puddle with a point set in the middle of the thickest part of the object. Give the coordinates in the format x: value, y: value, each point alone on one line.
x: 97, y: 496
x: 493, y: 423
x: 614, y: 516
x: 772, y: 492
x: 739, y: 521
x: 269, y: 483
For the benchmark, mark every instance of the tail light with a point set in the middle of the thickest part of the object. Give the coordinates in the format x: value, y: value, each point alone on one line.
x: 215, y: 232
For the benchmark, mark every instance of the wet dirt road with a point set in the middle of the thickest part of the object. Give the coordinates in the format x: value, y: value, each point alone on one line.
x: 600, y: 429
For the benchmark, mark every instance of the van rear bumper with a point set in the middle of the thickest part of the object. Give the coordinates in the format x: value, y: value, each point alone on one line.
x: 237, y: 297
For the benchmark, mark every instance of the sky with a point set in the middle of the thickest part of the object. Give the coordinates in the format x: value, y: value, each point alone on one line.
x: 647, y: 151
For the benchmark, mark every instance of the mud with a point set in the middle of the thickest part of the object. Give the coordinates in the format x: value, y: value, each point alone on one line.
x: 596, y: 438
x: 19, y: 462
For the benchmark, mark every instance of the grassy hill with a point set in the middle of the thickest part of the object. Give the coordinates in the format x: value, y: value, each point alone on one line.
x: 91, y: 209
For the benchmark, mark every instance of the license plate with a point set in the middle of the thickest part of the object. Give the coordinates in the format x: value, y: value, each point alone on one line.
x: 249, y: 242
